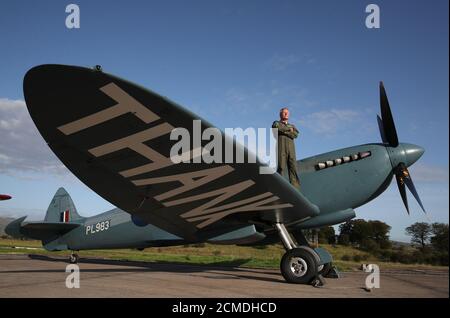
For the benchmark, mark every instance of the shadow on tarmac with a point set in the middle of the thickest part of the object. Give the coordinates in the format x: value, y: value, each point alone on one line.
x: 228, y: 269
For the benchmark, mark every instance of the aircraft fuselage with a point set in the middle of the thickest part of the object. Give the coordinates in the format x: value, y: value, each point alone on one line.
x: 337, y: 182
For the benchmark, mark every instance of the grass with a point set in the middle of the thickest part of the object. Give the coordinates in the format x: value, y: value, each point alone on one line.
x: 209, y: 254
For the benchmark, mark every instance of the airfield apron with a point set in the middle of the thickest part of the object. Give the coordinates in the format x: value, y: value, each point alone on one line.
x: 287, y: 160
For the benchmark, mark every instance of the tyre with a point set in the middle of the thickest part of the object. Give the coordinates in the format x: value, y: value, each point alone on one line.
x: 298, y: 266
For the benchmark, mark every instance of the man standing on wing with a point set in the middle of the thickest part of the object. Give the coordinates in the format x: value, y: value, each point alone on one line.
x: 287, y: 160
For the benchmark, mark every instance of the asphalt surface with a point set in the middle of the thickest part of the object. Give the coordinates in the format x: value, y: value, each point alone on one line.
x: 42, y: 276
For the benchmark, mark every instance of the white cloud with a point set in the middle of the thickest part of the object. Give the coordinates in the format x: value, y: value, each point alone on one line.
x: 32, y: 214
x: 270, y: 96
x: 8, y: 104
x: 428, y: 173
x: 330, y: 121
x: 236, y: 96
x: 22, y: 149
x: 281, y: 63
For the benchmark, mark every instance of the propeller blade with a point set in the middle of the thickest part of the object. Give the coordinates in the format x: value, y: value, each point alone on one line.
x: 404, y: 178
x: 409, y: 183
x: 381, y: 128
x: 388, y: 121
x: 401, y: 188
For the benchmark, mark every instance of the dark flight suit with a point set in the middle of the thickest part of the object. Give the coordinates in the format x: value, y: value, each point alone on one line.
x: 287, y: 160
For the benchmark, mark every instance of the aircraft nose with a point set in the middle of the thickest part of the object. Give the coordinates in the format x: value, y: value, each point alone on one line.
x: 412, y: 153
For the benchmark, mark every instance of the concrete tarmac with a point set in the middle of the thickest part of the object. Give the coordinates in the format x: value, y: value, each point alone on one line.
x: 43, y: 276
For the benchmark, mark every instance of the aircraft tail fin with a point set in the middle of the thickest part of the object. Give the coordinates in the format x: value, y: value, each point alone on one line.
x: 61, y: 218
x: 61, y: 208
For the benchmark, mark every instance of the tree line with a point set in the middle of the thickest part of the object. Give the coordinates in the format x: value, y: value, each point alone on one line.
x: 429, y: 242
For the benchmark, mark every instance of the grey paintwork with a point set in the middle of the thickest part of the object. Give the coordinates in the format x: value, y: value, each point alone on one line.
x: 122, y: 233
x: 353, y: 184
x: 347, y: 185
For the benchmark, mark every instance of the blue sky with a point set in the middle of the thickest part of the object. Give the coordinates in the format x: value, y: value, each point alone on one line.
x: 235, y: 63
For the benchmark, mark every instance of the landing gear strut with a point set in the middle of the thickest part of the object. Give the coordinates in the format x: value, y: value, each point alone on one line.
x: 300, y: 264
x: 73, y: 258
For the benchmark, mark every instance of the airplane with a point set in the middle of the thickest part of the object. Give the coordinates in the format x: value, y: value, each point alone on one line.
x: 4, y: 197
x: 115, y: 137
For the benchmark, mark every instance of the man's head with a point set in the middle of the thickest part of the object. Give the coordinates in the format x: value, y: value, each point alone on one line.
x: 284, y: 114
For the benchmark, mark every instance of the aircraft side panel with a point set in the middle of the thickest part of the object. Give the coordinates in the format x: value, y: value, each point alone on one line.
x: 116, y: 230
x: 346, y: 185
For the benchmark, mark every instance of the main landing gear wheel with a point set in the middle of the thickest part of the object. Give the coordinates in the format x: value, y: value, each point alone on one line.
x: 298, y: 266
x: 73, y: 258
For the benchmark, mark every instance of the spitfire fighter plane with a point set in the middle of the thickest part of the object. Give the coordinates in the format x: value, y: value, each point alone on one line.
x: 4, y: 197
x: 115, y: 137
